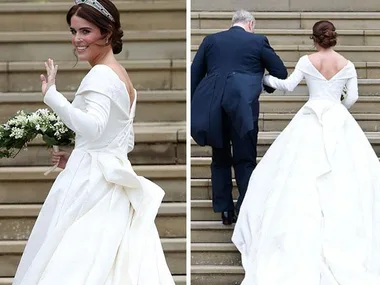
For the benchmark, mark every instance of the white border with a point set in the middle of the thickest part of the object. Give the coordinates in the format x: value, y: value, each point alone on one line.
x: 188, y: 144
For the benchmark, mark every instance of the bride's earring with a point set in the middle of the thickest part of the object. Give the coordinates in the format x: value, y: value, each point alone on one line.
x: 107, y: 41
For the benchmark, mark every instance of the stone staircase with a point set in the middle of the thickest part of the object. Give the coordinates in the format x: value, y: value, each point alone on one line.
x: 215, y: 260
x: 154, y: 55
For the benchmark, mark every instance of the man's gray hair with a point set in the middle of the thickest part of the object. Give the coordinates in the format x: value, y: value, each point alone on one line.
x: 242, y: 16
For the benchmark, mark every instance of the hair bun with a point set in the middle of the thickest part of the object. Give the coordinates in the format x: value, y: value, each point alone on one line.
x: 117, y: 42
x: 324, y: 34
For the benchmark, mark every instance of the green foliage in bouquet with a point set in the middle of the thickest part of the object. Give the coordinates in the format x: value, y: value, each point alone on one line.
x: 23, y: 127
x: 344, y: 93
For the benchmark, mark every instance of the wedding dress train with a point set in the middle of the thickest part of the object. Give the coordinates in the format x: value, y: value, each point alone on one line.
x: 311, y: 214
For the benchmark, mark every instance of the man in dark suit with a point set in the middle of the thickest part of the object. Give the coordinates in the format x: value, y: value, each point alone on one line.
x: 226, y: 82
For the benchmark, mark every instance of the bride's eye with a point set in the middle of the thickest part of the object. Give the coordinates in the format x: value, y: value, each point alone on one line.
x: 73, y: 32
x: 85, y: 32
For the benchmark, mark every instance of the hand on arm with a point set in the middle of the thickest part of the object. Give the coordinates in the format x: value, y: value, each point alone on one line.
x: 284, y: 84
x: 272, y: 63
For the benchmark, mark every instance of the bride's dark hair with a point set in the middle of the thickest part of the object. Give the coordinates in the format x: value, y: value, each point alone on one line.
x: 324, y: 34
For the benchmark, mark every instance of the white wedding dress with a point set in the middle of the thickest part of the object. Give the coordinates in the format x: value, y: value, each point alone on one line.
x: 311, y: 214
x: 96, y: 226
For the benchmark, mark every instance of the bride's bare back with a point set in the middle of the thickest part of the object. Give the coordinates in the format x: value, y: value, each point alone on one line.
x: 328, y: 63
x: 123, y: 75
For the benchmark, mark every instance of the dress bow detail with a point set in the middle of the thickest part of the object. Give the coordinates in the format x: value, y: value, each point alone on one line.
x: 332, y: 116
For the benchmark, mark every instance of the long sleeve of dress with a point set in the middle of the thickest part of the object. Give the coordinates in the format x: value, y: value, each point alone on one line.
x: 89, y: 123
x: 285, y: 84
x: 352, y: 92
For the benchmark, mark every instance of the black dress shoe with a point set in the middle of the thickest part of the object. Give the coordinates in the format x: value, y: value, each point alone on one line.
x: 228, y: 218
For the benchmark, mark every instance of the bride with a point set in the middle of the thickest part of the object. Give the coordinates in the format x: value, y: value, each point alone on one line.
x: 96, y: 226
x: 311, y: 215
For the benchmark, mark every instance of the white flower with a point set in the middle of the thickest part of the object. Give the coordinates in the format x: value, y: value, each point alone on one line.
x: 57, y: 134
x: 43, y: 112
x: 19, y: 120
x: 52, y: 117
x: 17, y: 133
x: 34, y: 118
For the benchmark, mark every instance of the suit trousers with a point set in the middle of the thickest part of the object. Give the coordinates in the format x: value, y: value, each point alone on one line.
x: 239, y: 153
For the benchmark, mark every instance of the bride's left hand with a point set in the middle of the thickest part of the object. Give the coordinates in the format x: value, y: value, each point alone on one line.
x: 51, y: 71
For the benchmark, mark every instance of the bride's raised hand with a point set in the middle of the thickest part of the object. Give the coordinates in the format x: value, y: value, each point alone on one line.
x: 51, y: 71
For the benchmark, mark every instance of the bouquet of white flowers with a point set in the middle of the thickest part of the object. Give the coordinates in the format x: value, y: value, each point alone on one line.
x: 23, y: 127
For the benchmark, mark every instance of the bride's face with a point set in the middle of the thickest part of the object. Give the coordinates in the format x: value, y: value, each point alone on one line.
x: 87, y: 39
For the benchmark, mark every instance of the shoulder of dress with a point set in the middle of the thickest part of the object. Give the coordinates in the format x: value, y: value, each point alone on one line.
x: 303, y: 63
x: 303, y: 59
x: 99, y: 79
x: 100, y: 72
x: 351, y: 70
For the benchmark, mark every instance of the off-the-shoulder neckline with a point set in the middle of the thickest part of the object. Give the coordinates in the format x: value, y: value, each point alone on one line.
x: 336, y: 74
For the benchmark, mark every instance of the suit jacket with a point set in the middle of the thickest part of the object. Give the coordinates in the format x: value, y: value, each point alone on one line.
x: 226, y: 77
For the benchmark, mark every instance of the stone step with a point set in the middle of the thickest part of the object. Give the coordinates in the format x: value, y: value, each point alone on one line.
x: 152, y: 105
x: 11, y: 251
x: 38, y: 46
x: 201, y: 189
x: 289, y: 20
x: 214, y: 254
x: 178, y: 279
x: 210, y: 231
x: 294, y: 52
x: 145, y: 75
x: 216, y: 275
x: 17, y: 221
x: 20, y: 185
x: 201, y: 210
x: 155, y: 144
x: 281, y: 36
x: 286, y: 6
x: 265, y: 140
x: 134, y: 15
x: 200, y: 167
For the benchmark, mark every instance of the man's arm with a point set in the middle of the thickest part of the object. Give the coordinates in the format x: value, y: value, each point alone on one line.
x: 273, y: 63
x: 198, y: 67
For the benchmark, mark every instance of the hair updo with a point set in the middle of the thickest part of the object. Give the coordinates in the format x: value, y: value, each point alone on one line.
x: 106, y: 25
x: 324, y: 34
